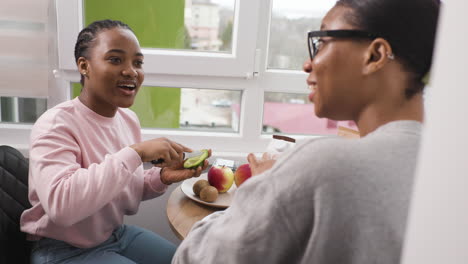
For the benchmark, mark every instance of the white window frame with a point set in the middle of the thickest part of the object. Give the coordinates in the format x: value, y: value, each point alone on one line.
x: 243, y: 71
x: 162, y: 61
x: 276, y: 80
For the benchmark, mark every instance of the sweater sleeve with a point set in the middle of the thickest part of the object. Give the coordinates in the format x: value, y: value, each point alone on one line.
x: 251, y: 230
x: 69, y: 193
x: 270, y: 219
x: 153, y: 186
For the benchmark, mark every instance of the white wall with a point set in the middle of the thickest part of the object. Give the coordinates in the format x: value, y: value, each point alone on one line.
x: 438, y: 224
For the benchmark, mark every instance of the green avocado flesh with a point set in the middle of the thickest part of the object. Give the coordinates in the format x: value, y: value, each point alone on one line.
x: 196, y: 161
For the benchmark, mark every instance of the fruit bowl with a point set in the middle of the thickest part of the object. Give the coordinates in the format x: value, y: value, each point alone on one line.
x: 223, y: 201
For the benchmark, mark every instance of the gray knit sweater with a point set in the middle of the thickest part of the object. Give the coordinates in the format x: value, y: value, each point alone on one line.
x: 327, y: 201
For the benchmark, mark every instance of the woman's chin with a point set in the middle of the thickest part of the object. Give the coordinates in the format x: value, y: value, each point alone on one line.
x: 318, y: 112
x: 126, y: 104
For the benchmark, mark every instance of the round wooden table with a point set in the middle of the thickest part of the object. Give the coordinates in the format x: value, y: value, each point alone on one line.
x: 182, y: 212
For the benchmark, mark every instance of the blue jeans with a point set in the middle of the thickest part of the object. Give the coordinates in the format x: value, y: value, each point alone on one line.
x: 127, y: 244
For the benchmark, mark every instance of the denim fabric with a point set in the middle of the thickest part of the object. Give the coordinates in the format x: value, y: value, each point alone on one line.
x: 127, y: 244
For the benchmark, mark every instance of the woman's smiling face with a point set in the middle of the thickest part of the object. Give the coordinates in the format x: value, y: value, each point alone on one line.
x: 114, y: 71
x: 335, y: 73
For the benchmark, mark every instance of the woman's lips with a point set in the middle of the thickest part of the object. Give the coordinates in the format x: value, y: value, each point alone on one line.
x: 313, y: 89
x: 127, y: 92
x: 128, y: 87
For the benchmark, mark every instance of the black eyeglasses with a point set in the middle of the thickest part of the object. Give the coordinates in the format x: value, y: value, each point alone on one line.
x: 314, y: 41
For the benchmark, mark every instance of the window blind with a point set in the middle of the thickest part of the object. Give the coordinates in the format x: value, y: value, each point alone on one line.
x: 24, y: 65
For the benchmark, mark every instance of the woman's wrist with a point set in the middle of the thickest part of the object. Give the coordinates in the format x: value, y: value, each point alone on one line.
x: 162, y: 178
x: 137, y: 150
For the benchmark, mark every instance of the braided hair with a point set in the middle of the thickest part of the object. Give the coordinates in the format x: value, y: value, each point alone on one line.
x: 88, y: 34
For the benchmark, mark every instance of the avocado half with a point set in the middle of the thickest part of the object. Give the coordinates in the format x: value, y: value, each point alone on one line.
x: 196, y: 161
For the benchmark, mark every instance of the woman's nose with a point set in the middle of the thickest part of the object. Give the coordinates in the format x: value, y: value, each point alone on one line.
x: 307, y: 66
x: 130, y: 71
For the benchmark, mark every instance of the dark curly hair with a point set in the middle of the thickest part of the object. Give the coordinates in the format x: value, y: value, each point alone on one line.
x: 88, y: 35
x: 408, y: 25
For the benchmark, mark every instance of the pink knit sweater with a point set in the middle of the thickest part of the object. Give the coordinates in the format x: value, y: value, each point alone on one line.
x: 83, y: 177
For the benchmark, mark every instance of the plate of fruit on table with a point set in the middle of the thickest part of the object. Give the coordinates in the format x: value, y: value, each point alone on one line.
x: 217, y: 187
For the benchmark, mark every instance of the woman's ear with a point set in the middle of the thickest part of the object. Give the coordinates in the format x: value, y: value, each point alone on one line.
x: 83, y: 66
x: 377, y: 55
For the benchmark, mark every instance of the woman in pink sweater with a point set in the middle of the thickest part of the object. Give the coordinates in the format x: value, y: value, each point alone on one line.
x: 86, y: 159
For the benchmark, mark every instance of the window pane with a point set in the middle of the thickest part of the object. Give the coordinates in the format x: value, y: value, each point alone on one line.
x: 21, y: 110
x: 185, y: 108
x: 204, y: 25
x: 213, y: 110
x: 293, y: 114
x: 290, y: 22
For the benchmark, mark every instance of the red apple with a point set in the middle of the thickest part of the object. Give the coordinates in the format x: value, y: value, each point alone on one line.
x: 221, y: 177
x: 242, y: 173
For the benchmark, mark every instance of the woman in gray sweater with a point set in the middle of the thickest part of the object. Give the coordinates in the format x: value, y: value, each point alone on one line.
x: 334, y: 200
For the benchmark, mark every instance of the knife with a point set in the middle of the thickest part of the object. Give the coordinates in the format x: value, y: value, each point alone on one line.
x: 186, y: 155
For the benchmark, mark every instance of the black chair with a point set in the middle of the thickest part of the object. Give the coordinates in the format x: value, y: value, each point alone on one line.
x: 14, y: 248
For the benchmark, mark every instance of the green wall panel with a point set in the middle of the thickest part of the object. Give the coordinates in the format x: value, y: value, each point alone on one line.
x: 76, y: 89
x: 156, y: 23
x: 158, y: 107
